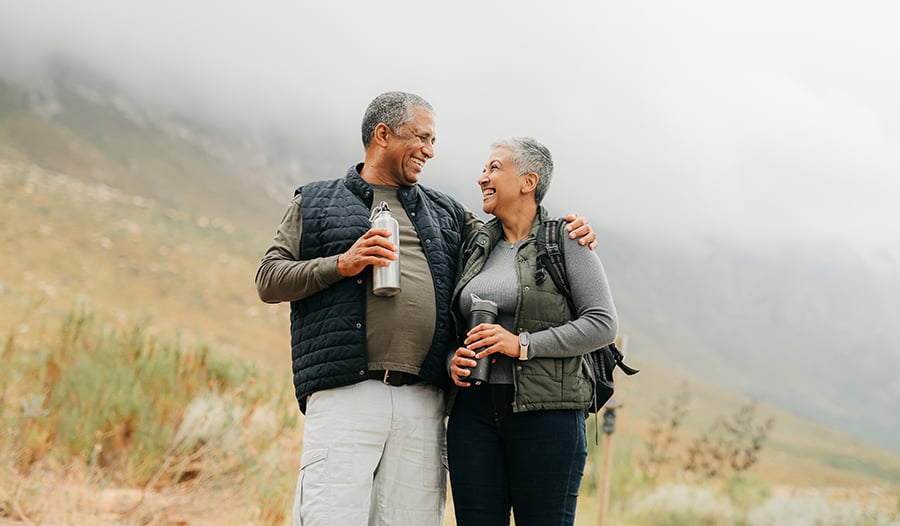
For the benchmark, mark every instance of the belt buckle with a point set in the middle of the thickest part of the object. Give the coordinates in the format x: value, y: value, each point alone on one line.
x: 387, y: 374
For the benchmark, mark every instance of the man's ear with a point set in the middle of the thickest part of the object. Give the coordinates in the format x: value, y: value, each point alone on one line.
x: 380, y: 137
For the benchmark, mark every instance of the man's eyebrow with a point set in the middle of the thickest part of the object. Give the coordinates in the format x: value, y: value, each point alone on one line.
x: 428, y: 135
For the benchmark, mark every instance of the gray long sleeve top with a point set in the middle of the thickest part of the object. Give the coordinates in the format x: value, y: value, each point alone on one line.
x: 595, y: 311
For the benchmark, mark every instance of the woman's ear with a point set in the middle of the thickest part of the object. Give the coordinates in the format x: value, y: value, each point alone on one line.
x: 529, y: 182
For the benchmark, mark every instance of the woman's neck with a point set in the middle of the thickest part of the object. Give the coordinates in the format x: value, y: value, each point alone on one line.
x: 517, y: 225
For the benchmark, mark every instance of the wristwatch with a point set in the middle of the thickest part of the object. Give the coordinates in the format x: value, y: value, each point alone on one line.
x: 524, y: 341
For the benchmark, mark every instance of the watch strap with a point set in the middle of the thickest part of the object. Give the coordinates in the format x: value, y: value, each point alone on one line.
x: 524, y: 344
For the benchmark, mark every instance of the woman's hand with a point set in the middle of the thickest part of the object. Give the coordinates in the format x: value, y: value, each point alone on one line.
x: 461, y: 366
x: 495, y: 338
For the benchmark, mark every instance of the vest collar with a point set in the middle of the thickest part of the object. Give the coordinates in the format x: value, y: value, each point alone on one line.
x: 356, y: 184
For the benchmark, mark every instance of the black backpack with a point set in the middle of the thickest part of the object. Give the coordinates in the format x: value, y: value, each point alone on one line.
x: 601, y: 362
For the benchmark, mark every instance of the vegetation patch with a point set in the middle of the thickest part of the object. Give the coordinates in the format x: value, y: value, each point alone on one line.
x: 136, y: 412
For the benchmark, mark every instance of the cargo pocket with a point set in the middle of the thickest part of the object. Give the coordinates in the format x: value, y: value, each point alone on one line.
x: 312, y: 460
x: 436, y: 468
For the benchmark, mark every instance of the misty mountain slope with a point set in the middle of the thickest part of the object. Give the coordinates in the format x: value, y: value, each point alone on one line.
x: 77, y: 128
x: 128, y: 260
x: 798, y: 329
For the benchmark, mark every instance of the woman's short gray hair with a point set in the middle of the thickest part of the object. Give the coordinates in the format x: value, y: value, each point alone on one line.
x: 530, y: 156
x: 394, y: 108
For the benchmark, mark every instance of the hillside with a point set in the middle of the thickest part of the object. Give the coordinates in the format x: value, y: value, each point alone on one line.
x: 800, y: 329
x: 74, y: 245
x: 79, y: 126
x: 129, y: 260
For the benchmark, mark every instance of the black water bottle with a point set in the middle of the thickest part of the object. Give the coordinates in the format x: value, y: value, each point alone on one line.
x: 482, y: 311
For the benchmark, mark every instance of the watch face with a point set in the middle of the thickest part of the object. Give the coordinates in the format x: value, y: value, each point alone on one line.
x: 523, y: 339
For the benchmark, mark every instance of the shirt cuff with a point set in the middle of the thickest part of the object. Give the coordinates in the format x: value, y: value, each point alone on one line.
x: 329, y: 271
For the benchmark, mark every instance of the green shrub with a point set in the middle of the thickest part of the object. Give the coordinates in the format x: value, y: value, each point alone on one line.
x: 747, y: 491
x: 680, y: 504
x: 117, y: 400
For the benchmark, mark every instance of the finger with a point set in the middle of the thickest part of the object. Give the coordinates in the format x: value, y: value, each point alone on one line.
x: 466, y: 364
x: 376, y: 235
x: 487, y: 351
x: 377, y: 252
x: 472, y: 338
x: 463, y: 362
x: 578, y: 231
x: 385, y: 255
x: 495, y: 348
x: 589, y: 238
x: 379, y: 232
x: 479, y: 342
x: 482, y: 327
x: 479, y: 332
x: 462, y: 352
x: 378, y: 242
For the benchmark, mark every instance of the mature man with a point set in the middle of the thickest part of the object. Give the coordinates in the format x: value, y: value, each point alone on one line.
x: 373, y: 451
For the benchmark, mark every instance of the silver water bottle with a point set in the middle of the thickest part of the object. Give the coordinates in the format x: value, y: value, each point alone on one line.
x: 386, y: 280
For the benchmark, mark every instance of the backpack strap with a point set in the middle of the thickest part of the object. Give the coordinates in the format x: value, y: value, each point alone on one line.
x: 550, y: 258
x: 619, y: 357
x: 550, y: 262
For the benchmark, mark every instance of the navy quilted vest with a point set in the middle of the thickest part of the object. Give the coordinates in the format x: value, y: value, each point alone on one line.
x: 328, y: 329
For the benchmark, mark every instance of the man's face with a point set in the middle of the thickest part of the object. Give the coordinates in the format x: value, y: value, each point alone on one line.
x: 410, y: 146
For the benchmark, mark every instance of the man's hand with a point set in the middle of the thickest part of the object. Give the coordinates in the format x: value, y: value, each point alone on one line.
x: 579, y: 227
x: 373, y: 248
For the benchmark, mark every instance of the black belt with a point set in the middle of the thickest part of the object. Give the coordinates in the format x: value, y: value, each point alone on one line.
x: 394, y: 378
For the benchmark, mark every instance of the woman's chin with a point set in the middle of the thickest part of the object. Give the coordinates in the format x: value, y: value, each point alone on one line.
x: 489, y: 205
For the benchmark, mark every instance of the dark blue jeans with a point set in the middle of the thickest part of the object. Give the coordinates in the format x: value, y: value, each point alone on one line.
x: 531, y: 462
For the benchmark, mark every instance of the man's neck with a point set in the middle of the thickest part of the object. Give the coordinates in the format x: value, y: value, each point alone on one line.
x: 372, y: 173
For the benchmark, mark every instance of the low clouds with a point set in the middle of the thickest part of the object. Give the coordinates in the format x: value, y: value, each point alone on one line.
x: 756, y: 122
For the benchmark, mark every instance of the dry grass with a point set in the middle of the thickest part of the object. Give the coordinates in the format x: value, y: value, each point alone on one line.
x: 98, y: 421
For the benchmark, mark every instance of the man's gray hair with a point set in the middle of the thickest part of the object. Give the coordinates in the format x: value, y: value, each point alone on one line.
x: 530, y: 156
x: 394, y: 108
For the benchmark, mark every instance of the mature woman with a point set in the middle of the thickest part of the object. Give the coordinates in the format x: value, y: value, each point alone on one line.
x: 518, y: 441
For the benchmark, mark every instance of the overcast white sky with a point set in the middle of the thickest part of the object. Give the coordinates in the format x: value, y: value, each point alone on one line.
x: 762, y: 120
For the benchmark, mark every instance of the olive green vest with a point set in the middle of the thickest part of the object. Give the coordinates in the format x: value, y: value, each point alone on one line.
x: 540, y: 383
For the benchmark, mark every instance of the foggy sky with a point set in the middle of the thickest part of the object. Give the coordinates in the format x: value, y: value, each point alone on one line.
x: 765, y: 121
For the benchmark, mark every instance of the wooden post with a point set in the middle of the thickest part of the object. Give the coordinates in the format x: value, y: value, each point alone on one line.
x: 609, y: 427
x: 604, y: 480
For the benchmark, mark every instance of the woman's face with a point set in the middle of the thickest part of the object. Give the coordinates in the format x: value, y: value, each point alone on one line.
x: 501, y: 186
